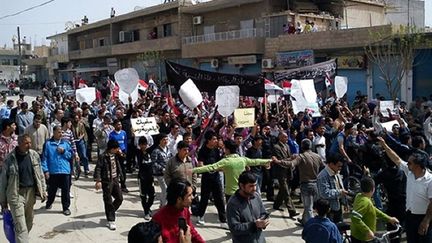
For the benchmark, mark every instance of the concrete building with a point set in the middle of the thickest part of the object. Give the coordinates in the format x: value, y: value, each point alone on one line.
x: 9, y: 67
x: 406, y: 12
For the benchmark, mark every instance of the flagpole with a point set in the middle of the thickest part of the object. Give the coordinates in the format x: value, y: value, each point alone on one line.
x: 277, y: 102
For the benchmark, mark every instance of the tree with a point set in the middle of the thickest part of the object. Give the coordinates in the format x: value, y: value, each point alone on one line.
x: 395, y: 54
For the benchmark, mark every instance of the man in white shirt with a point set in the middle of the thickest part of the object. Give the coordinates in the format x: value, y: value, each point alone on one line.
x: 419, y: 195
x: 319, y: 143
x: 174, y: 137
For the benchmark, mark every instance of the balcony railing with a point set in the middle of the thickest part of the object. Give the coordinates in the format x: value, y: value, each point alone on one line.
x: 224, y: 36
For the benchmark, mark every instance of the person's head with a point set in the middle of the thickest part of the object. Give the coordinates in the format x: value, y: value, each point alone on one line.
x: 10, y: 103
x: 24, y: 143
x: 66, y: 123
x: 247, y: 183
x: 58, y: 113
x: 265, y: 129
x: 175, y: 128
x: 179, y: 194
x: 417, y: 162
x: 149, y: 232
x: 320, y: 130
x: 117, y: 125
x: 283, y: 137
x: 163, y: 140
x: 57, y: 132
x: 367, y: 185
x: 24, y: 106
x: 257, y: 141
x: 322, y: 207
x: 37, y: 121
x: 418, y: 142
x: 187, y: 138
x: 309, y: 134
x: 335, y: 162
x: 182, y: 149
x: 395, y: 129
x: 166, y: 117
x: 113, y: 146
x: 8, y: 126
x: 238, y: 138
x: 306, y: 144
x: 142, y: 143
x: 230, y: 147
x: 349, y: 128
x: 211, y: 140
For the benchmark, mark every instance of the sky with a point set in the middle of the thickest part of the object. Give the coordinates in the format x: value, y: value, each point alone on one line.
x: 50, y: 19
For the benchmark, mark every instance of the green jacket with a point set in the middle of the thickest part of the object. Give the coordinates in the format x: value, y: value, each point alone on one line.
x: 9, y: 178
x: 364, y: 217
x: 232, y: 166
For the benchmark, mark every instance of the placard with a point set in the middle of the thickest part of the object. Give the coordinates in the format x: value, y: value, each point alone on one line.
x: 244, y: 117
x: 127, y: 79
x: 190, y: 94
x: 227, y: 99
x: 144, y: 126
x: 384, y: 105
x: 308, y: 88
x: 341, y: 86
x: 87, y: 95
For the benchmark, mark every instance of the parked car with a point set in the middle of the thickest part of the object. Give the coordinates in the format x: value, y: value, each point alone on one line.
x: 63, y: 90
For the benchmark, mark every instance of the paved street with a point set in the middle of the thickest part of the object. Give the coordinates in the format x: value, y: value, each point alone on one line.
x: 87, y: 222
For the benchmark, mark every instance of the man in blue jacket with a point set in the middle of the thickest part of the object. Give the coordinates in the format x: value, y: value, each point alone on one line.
x: 56, y: 165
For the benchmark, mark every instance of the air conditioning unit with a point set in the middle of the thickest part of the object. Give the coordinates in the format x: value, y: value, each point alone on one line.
x: 197, y: 20
x: 125, y: 36
x: 214, y: 63
x: 266, y: 63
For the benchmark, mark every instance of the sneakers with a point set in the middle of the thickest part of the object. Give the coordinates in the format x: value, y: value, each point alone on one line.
x: 71, y: 195
x: 67, y: 212
x: 111, y: 225
x: 147, y: 217
x: 224, y: 226
x: 201, y: 221
x: 48, y: 206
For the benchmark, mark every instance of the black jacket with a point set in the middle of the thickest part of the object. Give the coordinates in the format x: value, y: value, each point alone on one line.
x: 103, y: 168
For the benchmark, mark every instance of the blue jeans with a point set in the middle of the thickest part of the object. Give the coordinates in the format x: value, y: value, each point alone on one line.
x: 82, y: 152
x: 259, y: 176
x: 309, y: 192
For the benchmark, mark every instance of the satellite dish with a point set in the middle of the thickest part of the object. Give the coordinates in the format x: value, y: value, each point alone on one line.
x: 137, y: 8
x: 69, y: 25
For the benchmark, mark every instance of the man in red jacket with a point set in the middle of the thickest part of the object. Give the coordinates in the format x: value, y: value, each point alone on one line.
x: 179, y: 199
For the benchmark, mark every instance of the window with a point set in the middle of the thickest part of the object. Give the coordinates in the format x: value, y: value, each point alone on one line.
x: 167, y: 28
x: 102, y: 42
x: 135, y: 35
x: 15, y: 62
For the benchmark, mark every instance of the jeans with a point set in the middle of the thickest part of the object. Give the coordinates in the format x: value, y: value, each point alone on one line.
x: 82, y: 152
x: 147, y: 193
x: 61, y: 181
x: 111, y: 190
x: 163, y: 186
x: 259, y: 176
x: 309, y: 192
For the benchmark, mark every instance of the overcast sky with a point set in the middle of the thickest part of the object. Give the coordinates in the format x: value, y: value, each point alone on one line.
x: 49, y: 19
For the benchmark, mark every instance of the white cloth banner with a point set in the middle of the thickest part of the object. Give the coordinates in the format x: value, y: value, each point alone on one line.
x: 127, y: 79
x: 388, y: 125
x: 124, y: 97
x: 273, y: 98
x: 87, y: 95
x: 190, y: 94
x: 144, y: 126
x: 308, y: 88
x: 341, y: 86
x: 386, y: 104
x: 227, y: 99
x: 296, y: 90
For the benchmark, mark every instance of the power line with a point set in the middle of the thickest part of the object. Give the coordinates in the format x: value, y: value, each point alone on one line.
x: 25, y: 10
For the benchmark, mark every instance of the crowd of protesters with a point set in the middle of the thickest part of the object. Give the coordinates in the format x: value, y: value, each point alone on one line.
x: 285, y: 151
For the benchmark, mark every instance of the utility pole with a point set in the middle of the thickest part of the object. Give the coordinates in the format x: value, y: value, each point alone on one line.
x: 408, y: 14
x: 19, y: 53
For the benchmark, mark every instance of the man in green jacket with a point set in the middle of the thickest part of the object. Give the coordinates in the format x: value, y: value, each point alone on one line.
x: 20, y: 181
x: 232, y: 166
x: 364, y: 215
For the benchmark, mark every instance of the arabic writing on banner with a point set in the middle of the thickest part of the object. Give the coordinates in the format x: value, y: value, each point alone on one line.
x: 244, y: 117
x: 386, y: 104
x: 144, y: 126
x: 210, y: 81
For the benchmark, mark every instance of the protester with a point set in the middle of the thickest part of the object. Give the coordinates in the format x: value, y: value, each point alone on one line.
x: 38, y: 133
x: 145, y: 177
x: 21, y: 179
x: 179, y: 199
x: 8, y: 139
x: 247, y: 217
x: 107, y: 174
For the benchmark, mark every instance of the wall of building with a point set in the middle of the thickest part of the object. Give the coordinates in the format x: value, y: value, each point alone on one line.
x: 422, y: 74
x: 358, y: 14
x: 397, y: 12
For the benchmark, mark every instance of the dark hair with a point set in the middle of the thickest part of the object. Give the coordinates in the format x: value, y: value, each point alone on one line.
x: 231, y: 146
x: 161, y: 136
x: 6, y: 123
x: 37, y: 117
x: 334, y: 158
x: 187, y: 134
x: 247, y: 177
x: 182, y: 145
x: 322, y: 206
x: 112, y: 144
x: 419, y: 159
x: 349, y: 125
x: 306, y: 144
x: 9, y: 102
x: 174, y: 124
x: 236, y: 134
x: 142, y: 140
x: 417, y: 141
x: 177, y: 188
x: 367, y: 184
x: 404, y: 138
x: 148, y: 232
x: 116, y: 121
x: 24, y: 105
x: 209, y: 135
x: 65, y: 120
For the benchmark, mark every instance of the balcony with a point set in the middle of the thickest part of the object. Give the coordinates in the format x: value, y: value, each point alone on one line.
x: 224, y: 44
x: 102, y: 51
x: 161, y: 44
x: 61, y: 58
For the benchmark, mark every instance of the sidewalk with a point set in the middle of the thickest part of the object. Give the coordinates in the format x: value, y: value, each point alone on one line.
x: 87, y: 222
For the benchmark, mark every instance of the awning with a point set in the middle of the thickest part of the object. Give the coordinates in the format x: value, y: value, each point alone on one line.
x: 85, y: 70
